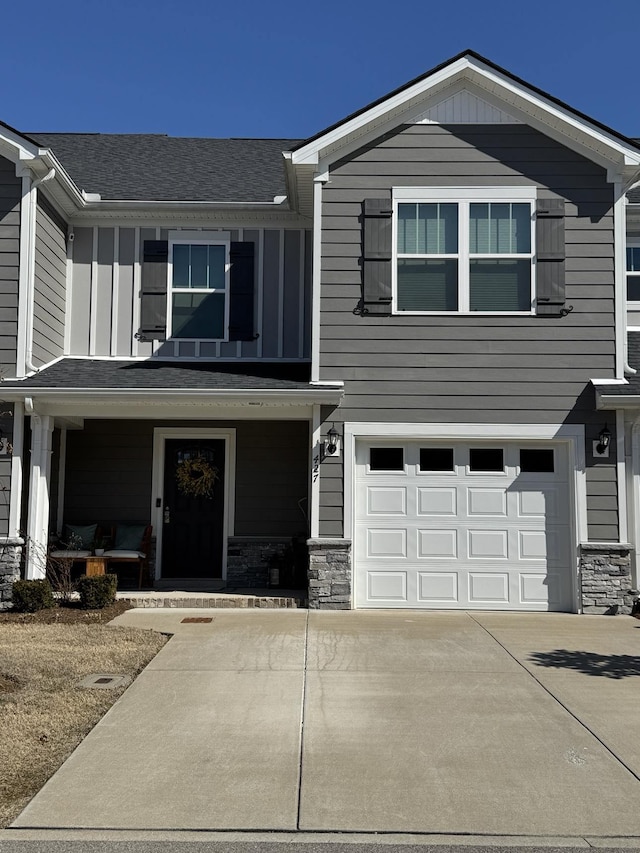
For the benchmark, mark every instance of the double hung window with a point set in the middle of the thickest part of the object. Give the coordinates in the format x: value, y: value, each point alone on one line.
x: 199, y: 289
x: 464, y: 250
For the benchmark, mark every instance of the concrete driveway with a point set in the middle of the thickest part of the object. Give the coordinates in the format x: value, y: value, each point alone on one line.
x: 411, y: 722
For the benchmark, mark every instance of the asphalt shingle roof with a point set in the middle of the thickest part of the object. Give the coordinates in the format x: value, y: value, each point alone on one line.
x: 154, y: 167
x: 87, y: 374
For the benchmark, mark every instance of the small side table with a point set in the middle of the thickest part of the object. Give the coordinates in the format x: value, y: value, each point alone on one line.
x: 96, y: 566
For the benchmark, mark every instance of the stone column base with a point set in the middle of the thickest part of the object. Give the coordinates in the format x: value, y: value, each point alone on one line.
x: 10, y: 559
x: 329, y: 574
x: 605, y: 573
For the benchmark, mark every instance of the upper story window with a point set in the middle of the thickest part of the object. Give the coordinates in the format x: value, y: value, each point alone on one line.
x: 199, y: 289
x: 464, y: 250
x: 633, y: 273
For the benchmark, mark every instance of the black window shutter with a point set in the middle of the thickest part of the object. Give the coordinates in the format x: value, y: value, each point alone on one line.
x: 377, y: 255
x: 153, y: 296
x: 241, y: 286
x: 550, y: 258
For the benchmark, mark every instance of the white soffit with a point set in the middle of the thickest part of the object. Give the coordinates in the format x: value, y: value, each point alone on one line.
x: 464, y: 107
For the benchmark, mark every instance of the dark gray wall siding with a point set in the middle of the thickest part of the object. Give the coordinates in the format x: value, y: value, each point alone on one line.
x: 50, y: 286
x: 109, y: 465
x: 464, y: 368
x: 10, y: 196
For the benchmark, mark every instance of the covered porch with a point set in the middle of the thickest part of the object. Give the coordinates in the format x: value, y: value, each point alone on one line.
x: 104, y: 458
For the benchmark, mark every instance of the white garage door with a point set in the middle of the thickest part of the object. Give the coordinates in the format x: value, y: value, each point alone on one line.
x: 449, y: 525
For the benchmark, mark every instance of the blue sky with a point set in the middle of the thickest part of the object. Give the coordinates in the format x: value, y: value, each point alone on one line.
x: 268, y: 68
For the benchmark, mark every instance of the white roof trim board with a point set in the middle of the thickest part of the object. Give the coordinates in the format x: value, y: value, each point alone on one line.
x: 520, y: 101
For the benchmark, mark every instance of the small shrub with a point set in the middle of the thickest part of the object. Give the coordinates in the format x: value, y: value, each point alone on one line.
x: 97, y: 592
x: 29, y: 596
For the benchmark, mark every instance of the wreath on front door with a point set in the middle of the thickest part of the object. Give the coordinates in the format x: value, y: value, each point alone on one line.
x: 196, y: 477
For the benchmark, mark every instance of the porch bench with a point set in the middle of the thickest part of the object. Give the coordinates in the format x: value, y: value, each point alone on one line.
x: 131, y: 544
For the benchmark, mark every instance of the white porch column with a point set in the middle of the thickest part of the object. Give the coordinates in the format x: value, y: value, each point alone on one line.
x: 39, y: 485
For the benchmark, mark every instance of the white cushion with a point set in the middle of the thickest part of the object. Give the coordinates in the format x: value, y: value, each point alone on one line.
x: 125, y: 555
x: 76, y: 555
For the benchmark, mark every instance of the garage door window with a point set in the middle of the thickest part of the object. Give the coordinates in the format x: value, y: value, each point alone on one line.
x: 436, y: 459
x: 386, y: 459
x: 536, y: 461
x: 486, y: 459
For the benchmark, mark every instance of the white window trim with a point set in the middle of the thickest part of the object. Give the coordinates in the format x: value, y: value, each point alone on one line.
x: 463, y: 197
x: 631, y: 305
x: 197, y: 238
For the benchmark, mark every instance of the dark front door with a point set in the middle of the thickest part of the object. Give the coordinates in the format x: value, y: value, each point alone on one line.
x: 193, y: 516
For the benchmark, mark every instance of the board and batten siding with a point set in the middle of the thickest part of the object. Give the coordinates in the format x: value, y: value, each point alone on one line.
x: 109, y: 469
x: 105, y: 295
x: 472, y: 369
x: 50, y: 285
x: 10, y: 200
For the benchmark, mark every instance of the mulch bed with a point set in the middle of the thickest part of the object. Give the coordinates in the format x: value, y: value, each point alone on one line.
x: 68, y: 614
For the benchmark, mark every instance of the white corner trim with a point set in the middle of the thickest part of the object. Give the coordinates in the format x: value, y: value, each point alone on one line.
x: 621, y: 476
x: 23, y: 278
x: 160, y: 435
x: 620, y: 276
x: 17, y: 462
x: 314, y: 491
x: 316, y: 279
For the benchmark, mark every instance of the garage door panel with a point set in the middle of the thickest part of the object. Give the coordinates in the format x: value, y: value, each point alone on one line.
x: 461, y: 539
x: 487, y: 544
x: 438, y: 587
x: 390, y: 542
x: 437, y: 501
x: 436, y: 544
x: 387, y: 586
x: 488, y: 588
x: 386, y: 500
x: 485, y: 502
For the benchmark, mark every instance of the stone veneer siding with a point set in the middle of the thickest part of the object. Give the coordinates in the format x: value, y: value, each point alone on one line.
x: 605, y: 572
x: 10, y: 557
x: 329, y: 574
x: 248, y: 560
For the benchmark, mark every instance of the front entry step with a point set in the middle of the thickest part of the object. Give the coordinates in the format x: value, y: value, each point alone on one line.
x: 185, y: 599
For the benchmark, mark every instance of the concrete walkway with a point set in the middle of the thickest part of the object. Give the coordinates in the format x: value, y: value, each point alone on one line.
x: 401, y: 722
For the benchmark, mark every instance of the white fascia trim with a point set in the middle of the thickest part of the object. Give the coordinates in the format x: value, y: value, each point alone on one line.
x: 609, y: 381
x: 20, y: 149
x: 294, y: 398
x: 492, y: 80
x: 617, y: 401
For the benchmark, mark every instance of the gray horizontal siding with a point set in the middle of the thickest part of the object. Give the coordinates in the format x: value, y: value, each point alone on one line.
x: 109, y: 466
x: 50, y: 286
x: 106, y: 284
x: 10, y: 196
x: 471, y: 369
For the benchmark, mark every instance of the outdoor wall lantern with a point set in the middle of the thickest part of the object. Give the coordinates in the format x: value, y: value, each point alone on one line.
x: 332, y: 442
x: 601, y: 446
